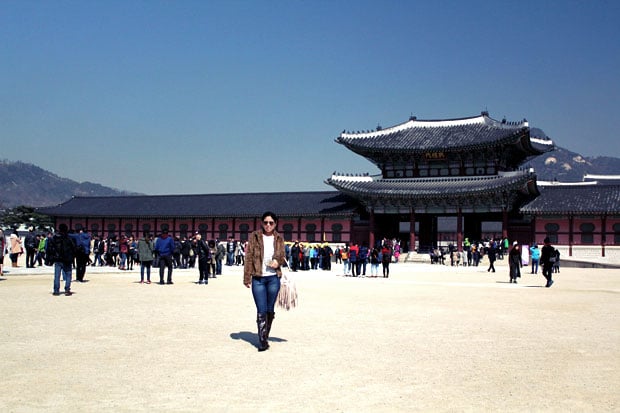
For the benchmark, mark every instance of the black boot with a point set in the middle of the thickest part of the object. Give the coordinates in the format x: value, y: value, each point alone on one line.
x: 270, y: 317
x: 261, y: 322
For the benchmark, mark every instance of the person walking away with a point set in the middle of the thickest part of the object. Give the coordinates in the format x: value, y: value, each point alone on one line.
x: 262, y: 271
x: 327, y: 258
x: 535, y: 253
x: 386, y: 258
x: 547, y: 259
x: 61, y: 251
x: 491, y: 253
x: 145, y: 255
x: 219, y: 259
x: 374, y: 262
x: 204, y: 255
x: 31, y: 247
x: 354, y: 252
x: 514, y: 262
x: 82, y: 254
x: 164, y: 248
x: 123, y: 248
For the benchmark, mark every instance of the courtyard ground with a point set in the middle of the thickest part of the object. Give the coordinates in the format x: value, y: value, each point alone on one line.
x: 428, y: 338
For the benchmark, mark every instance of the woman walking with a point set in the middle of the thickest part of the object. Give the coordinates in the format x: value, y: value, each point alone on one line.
x: 264, y: 258
x: 514, y: 261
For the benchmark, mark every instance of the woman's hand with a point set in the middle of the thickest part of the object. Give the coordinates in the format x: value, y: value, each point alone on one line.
x: 274, y: 264
x: 247, y: 285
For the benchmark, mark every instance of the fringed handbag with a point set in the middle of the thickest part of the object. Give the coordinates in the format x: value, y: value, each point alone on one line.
x: 287, y: 296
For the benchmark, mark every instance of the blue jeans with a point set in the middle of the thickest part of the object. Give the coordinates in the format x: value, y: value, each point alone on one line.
x: 66, y: 273
x: 535, y: 266
x: 265, y: 292
x: 145, y: 265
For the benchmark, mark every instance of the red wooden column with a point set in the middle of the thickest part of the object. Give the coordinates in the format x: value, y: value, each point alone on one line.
x: 504, y: 223
x: 571, y: 220
x: 371, y: 235
x: 603, y: 234
x: 412, y: 230
x: 459, y: 230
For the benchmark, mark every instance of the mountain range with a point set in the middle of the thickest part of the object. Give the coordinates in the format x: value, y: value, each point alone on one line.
x: 27, y: 184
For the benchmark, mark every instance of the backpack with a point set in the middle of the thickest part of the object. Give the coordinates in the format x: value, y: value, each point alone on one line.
x: 61, y: 249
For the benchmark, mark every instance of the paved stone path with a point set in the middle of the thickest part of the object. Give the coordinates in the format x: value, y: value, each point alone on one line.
x: 429, y: 338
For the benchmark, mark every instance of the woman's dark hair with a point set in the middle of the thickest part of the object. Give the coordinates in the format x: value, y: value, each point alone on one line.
x: 269, y: 214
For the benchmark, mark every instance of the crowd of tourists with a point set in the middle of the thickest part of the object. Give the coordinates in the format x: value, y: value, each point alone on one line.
x: 166, y: 253
x: 472, y: 253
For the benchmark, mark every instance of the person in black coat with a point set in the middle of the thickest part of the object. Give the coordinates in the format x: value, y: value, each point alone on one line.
x: 547, y: 259
x: 514, y: 262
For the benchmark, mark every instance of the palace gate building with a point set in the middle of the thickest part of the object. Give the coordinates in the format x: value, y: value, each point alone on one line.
x: 444, y: 180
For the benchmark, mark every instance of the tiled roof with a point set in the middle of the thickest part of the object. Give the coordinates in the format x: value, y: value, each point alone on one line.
x: 212, y: 205
x: 432, y: 187
x: 575, y: 199
x: 462, y: 134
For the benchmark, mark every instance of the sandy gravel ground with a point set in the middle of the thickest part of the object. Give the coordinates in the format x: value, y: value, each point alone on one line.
x: 430, y: 338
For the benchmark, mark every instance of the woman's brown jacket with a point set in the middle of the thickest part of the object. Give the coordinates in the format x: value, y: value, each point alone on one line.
x: 254, y: 255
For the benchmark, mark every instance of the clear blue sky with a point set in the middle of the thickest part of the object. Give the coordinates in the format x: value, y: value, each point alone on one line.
x: 168, y: 97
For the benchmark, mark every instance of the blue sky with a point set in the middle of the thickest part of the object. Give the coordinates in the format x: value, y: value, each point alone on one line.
x: 168, y: 97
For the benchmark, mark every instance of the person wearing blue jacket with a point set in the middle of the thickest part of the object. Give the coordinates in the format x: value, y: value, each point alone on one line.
x: 164, y: 248
x: 82, y: 254
x: 535, y: 252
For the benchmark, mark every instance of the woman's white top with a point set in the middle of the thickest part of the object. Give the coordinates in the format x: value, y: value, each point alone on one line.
x: 268, y: 250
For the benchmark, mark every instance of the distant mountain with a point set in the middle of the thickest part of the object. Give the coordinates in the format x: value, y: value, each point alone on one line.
x: 566, y: 166
x: 26, y: 184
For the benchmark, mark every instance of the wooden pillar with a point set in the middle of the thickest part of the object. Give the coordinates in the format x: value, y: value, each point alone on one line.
x: 234, y: 226
x: 299, y: 229
x: 533, y: 231
x: 459, y: 230
x: 571, y: 220
x: 371, y: 235
x: 412, y: 230
x: 504, y: 223
x: 603, y: 234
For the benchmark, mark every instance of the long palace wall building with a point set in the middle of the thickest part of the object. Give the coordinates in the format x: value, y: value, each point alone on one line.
x: 439, y: 182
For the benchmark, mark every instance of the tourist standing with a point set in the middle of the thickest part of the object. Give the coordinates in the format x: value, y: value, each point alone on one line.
x: 2, y: 249
x: 262, y: 271
x: 221, y: 254
x: 31, y: 247
x: 354, y: 251
x: 16, y: 248
x: 535, y: 253
x: 164, y: 248
x: 61, y: 251
x: 514, y: 262
x: 547, y: 259
x: 375, y: 260
x: 145, y: 255
x: 211, y: 269
x: 82, y: 254
x: 204, y: 255
x: 386, y: 258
